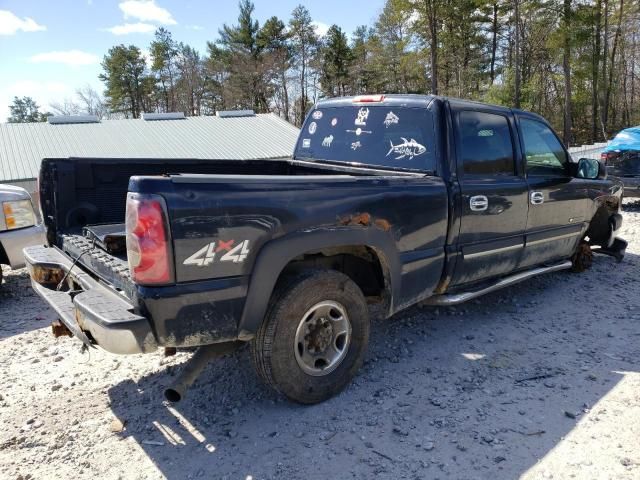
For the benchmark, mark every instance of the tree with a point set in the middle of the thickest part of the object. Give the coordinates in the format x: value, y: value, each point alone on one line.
x: 336, y: 62
x: 361, y: 72
x: 25, y: 110
x: 247, y: 80
x: 516, y: 46
x: 91, y: 102
x: 273, y: 40
x: 304, y: 45
x: 191, y: 82
x: 428, y: 25
x: 576, y: 62
x: 128, y: 86
x: 566, y: 67
x: 164, y: 55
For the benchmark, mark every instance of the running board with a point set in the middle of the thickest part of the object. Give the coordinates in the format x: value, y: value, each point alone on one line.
x: 457, y: 298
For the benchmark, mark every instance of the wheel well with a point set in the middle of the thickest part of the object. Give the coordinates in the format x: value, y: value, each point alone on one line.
x: 598, y: 231
x: 360, y: 263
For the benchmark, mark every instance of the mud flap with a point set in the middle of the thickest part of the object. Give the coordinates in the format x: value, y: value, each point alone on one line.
x: 617, y: 249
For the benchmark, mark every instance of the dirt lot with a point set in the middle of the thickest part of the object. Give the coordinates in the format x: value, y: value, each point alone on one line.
x: 541, y: 380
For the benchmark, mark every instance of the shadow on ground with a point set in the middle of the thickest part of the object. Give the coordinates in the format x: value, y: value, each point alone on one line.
x: 17, y: 300
x: 485, y: 389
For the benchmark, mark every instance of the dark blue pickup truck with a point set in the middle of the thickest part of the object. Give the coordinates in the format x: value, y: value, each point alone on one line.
x: 387, y: 201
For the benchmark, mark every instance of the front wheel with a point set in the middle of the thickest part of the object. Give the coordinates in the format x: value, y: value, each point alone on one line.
x: 314, y: 337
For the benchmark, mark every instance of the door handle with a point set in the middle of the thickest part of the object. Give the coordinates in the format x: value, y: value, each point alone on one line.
x: 478, y: 203
x: 537, y: 198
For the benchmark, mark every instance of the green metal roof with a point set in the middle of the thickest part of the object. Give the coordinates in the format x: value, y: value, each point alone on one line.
x: 24, y: 145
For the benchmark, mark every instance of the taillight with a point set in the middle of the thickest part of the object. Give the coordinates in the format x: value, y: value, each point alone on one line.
x: 368, y: 99
x: 148, y: 240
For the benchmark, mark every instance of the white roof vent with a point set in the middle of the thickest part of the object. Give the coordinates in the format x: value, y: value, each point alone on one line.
x: 71, y: 119
x: 152, y: 117
x: 236, y: 113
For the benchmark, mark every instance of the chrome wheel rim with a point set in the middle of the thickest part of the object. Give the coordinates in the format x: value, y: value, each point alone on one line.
x: 322, y: 338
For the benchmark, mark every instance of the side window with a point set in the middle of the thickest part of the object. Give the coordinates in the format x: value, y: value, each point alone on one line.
x: 542, y: 149
x: 485, y: 144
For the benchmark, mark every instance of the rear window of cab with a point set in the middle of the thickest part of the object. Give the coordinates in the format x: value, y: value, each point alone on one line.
x: 381, y: 136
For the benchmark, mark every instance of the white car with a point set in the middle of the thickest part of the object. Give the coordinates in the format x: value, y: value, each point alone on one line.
x: 18, y: 226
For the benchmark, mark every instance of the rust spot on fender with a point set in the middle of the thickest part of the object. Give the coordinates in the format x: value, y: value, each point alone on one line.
x: 382, y: 224
x: 364, y: 220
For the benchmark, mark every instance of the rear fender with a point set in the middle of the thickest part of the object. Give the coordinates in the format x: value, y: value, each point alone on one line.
x: 276, y: 255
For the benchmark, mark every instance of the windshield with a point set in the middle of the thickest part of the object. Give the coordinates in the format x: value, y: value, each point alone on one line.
x: 382, y: 136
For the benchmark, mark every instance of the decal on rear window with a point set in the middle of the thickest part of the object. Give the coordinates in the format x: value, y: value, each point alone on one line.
x: 391, y: 119
x: 317, y: 115
x: 407, y: 149
x: 358, y: 131
x: 407, y: 131
x: 362, y: 117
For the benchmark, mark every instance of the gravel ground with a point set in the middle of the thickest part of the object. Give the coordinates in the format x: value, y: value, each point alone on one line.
x: 541, y: 380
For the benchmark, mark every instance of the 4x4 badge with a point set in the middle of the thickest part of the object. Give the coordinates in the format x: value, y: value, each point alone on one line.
x: 207, y: 254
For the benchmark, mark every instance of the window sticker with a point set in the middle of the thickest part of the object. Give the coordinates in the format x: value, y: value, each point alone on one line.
x: 392, y: 119
x: 363, y: 115
x: 485, y: 133
x: 317, y: 115
x: 356, y: 145
x: 358, y: 131
x: 334, y: 122
x: 306, y: 143
x: 407, y: 149
x: 312, y: 128
x: 327, y: 141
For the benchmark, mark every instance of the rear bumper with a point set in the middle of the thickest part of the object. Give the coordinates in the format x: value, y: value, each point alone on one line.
x: 90, y: 310
x: 13, y: 241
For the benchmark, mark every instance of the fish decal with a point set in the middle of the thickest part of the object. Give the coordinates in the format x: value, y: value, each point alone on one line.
x: 391, y: 119
x: 406, y: 149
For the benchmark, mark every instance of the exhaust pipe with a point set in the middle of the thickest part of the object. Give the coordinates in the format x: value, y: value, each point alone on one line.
x: 193, y: 368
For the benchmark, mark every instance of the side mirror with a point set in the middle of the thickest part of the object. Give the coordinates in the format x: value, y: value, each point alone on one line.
x: 591, y: 169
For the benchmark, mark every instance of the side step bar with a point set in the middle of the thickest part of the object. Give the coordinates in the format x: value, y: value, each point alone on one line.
x: 457, y: 298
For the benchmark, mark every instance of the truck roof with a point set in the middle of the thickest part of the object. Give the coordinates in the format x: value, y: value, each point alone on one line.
x: 418, y: 100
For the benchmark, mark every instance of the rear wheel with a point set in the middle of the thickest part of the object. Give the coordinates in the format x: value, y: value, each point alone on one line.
x: 314, y: 337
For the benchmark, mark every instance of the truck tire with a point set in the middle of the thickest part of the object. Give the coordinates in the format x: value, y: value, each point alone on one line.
x: 314, y: 337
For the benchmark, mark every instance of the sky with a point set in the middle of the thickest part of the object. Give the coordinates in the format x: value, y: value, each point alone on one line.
x: 49, y: 48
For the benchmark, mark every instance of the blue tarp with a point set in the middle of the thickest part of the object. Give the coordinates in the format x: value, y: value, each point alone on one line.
x: 627, y: 139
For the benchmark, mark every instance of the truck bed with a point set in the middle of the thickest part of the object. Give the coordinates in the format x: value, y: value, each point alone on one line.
x: 83, y: 201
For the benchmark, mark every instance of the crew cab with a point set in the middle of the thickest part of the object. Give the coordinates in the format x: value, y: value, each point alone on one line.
x: 387, y: 201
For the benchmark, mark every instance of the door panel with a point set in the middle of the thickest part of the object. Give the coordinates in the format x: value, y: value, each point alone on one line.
x: 492, y: 240
x: 493, y: 198
x: 555, y: 226
x: 558, y: 202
